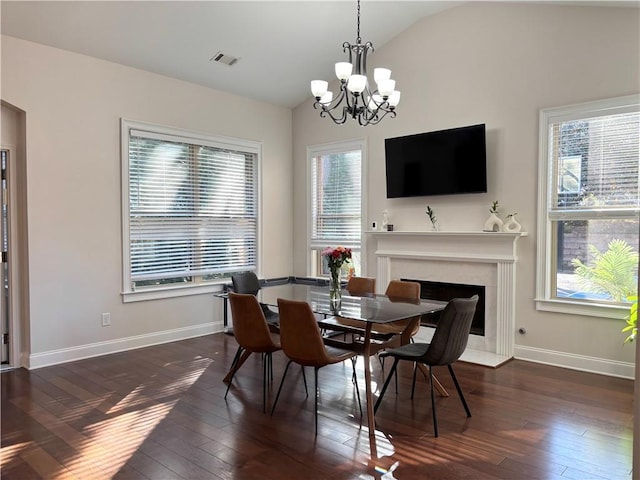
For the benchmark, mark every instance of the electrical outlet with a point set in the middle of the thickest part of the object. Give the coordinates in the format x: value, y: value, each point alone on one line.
x: 106, y: 319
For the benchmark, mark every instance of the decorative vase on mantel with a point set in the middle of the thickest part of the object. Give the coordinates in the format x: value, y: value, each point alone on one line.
x: 493, y: 223
x: 512, y: 225
x: 335, y: 290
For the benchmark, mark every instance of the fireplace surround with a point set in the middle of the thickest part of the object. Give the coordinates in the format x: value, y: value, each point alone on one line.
x: 486, y: 259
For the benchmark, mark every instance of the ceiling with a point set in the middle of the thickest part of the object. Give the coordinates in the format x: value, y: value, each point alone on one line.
x: 281, y: 46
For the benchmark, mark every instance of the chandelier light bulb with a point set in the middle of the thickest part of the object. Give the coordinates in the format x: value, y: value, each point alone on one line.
x: 356, y: 83
x: 394, y: 98
x: 343, y: 70
x: 386, y: 87
x: 381, y: 74
x: 327, y: 98
x: 319, y: 88
x: 374, y: 102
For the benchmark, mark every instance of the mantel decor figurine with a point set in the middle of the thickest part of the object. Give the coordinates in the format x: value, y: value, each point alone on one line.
x: 511, y: 224
x: 493, y: 223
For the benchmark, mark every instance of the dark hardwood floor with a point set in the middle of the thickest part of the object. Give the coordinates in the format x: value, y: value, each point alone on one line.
x: 160, y: 413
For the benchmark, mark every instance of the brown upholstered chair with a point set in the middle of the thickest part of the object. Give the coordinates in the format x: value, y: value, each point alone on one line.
x: 402, y: 291
x: 361, y: 286
x: 448, y: 343
x: 252, y: 334
x: 302, y: 343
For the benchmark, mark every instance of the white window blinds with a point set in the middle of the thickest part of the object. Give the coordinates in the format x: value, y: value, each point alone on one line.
x: 192, y: 208
x: 336, y: 199
x: 595, y: 163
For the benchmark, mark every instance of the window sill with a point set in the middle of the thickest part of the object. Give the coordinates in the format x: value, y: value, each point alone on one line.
x: 171, y: 292
x: 591, y: 309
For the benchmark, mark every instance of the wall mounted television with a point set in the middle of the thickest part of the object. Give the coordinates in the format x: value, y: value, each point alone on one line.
x: 443, y: 162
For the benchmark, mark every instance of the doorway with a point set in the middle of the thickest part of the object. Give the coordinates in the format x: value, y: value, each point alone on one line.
x: 5, y: 312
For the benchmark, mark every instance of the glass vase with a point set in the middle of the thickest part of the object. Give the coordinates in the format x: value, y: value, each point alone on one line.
x: 335, y: 289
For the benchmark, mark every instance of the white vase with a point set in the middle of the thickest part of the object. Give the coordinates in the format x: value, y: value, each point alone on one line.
x: 493, y: 224
x: 512, y: 225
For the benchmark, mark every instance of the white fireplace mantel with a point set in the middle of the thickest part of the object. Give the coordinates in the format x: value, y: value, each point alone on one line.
x: 479, y: 258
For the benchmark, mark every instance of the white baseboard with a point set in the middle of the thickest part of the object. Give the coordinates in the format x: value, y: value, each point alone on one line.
x: 583, y: 363
x: 55, y: 357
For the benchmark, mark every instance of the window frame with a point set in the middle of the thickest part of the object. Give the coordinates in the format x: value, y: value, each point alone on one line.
x: 545, y: 268
x: 313, y: 270
x: 198, y: 286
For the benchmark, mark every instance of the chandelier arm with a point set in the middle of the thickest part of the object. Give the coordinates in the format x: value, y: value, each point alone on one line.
x: 337, y: 120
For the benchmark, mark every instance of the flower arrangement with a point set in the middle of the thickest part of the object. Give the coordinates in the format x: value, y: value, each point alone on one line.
x: 494, y: 207
x: 335, y: 258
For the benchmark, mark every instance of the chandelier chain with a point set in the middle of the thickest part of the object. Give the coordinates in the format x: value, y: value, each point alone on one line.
x: 358, y: 24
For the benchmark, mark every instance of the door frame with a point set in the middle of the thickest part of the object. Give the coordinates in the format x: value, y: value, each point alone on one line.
x: 15, y: 351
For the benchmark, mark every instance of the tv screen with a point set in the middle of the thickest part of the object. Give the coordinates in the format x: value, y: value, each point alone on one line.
x: 445, y: 162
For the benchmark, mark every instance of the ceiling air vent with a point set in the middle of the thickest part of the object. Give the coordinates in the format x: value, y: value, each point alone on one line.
x: 224, y: 58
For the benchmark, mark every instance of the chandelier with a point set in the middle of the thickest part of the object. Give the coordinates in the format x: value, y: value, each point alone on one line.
x: 355, y: 99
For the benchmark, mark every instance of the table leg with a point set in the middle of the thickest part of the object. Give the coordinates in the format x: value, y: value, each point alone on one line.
x: 438, y: 386
x: 243, y: 358
x: 371, y: 423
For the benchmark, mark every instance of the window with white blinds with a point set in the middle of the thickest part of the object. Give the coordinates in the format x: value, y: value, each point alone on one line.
x: 590, y: 198
x: 191, y: 207
x: 336, y: 200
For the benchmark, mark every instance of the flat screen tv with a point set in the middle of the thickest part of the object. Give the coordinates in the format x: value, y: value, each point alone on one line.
x: 444, y: 162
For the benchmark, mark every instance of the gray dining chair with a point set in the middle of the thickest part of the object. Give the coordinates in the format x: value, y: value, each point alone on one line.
x: 448, y: 343
x: 247, y: 282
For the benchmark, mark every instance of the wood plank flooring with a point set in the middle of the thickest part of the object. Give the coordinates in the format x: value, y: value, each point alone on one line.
x: 160, y: 413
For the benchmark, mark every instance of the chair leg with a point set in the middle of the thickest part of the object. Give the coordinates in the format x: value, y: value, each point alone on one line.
x: 233, y: 366
x: 315, y: 410
x: 304, y: 377
x: 433, y: 403
x: 386, y: 384
x: 355, y: 382
x: 265, y: 374
x: 455, y: 382
x: 275, y: 402
x: 413, y: 385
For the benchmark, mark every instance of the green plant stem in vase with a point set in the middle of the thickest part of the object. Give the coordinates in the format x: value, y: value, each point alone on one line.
x: 432, y: 218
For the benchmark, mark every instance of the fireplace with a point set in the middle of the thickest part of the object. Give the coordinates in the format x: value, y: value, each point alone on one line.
x: 446, y: 291
x: 484, y: 259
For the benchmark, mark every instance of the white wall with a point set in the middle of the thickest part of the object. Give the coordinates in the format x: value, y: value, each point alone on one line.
x: 73, y: 105
x: 497, y: 64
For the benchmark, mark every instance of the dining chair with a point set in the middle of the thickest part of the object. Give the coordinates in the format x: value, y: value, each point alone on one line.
x: 402, y: 291
x: 302, y: 343
x: 448, y: 343
x: 247, y: 282
x: 361, y: 286
x: 253, y: 336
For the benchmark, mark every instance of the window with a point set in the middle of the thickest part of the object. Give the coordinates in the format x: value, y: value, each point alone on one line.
x: 189, y: 208
x: 336, y: 203
x: 589, y: 200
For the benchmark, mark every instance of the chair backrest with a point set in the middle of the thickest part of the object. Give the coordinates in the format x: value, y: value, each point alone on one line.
x: 300, y: 335
x: 403, y: 289
x: 452, y: 332
x: 249, y: 324
x: 246, y: 282
x: 361, y: 285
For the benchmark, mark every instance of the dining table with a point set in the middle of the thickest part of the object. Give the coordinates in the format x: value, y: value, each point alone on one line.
x: 368, y: 310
